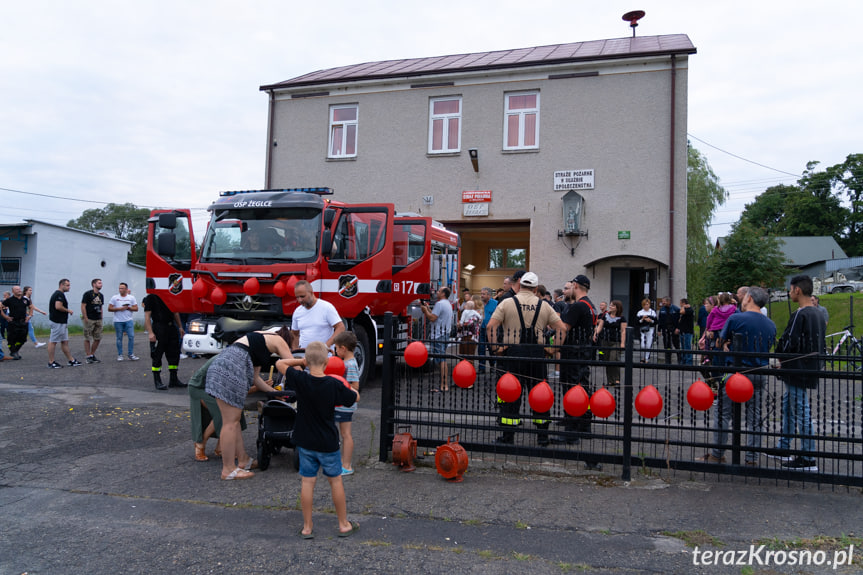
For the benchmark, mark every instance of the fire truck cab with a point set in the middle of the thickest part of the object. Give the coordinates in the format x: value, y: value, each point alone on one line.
x: 365, y: 259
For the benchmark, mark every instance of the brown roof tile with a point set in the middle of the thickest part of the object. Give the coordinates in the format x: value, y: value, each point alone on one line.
x: 554, y: 53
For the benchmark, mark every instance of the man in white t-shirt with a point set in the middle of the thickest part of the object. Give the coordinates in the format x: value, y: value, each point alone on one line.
x: 314, y: 320
x: 123, y: 305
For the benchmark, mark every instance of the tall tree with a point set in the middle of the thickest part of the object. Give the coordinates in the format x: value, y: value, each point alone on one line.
x: 704, y: 195
x: 123, y: 221
x: 847, y: 178
x: 749, y: 257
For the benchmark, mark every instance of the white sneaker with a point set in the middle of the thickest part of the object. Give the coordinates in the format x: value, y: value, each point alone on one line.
x: 119, y: 358
x: 134, y: 357
x: 40, y: 344
x: 184, y: 356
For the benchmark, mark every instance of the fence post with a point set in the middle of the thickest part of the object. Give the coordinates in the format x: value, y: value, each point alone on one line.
x: 387, y: 389
x: 627, y: 405
x: 736, y: 407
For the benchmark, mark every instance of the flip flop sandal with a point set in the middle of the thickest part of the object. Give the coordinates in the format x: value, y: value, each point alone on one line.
x: 354, y: 528
x: 251, y: 464
x: 306, y: 535
x: 238, y: 474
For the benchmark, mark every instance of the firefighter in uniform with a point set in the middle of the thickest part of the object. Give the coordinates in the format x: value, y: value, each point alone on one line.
x: 523, y: 317
x: 164, y: 329
x: 578, y: 335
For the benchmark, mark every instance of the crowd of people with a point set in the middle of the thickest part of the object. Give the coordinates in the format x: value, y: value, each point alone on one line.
x: 512, y: 327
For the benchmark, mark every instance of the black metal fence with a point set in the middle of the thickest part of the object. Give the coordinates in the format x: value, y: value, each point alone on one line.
x: 670, y: 443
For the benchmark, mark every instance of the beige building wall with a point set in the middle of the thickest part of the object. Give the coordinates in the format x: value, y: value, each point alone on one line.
x: 614, y: 117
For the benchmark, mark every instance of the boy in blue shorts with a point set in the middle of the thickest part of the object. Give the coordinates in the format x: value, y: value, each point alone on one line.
x: 315, y: 435
x: 346, y: 343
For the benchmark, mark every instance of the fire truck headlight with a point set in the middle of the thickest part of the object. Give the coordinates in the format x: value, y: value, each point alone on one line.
x: 197, y: 327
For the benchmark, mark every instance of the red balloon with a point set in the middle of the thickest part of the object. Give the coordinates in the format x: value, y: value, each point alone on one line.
x: 416, y: 354
x: 200, y: 289
x: 739, y: 388
x: 218, y: 296
x: 289, y: 287
x: 335, y: 366
x: 648, y: 402
x: 576, y: 402
x: 342, y: 379
x: 541, y: 397
x: 602, y: 403
x: 279, y: 289
x: 252, y: 286
x: 699, y: 396
x: 508, y: 388
x: 463, y: 374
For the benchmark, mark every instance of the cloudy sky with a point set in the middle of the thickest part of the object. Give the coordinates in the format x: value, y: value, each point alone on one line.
x: 157, y: 103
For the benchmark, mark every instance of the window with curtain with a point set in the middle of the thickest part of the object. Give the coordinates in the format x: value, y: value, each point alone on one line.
x: 521, y: 121
x: 343, y: 131
x: 445, y: 125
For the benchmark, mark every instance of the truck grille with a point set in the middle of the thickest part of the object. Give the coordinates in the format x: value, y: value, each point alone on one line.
x: 250, y: 307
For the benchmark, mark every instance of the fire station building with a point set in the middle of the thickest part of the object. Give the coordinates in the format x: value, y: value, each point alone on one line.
x: 564, y: 159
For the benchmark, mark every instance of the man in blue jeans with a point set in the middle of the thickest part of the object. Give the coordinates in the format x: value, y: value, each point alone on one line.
x: 123, y: 305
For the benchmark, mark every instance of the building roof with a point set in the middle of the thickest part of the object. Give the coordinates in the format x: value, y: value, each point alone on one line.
x: 615, y: 48
x: 801, y: 251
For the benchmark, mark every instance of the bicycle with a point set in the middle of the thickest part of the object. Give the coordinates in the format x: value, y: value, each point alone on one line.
x: 853, y: 352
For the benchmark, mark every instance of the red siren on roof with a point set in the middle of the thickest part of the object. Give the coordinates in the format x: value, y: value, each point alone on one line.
x: 633, y: 18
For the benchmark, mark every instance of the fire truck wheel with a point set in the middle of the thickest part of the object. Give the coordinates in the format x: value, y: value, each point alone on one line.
x: 363, y: 354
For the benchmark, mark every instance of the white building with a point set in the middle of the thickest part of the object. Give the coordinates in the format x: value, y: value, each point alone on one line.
x: 561, y: 159
x: 39, y: 254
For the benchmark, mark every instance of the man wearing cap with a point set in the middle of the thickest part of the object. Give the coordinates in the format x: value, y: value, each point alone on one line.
x: 523, y: 318
x: 577, y: 334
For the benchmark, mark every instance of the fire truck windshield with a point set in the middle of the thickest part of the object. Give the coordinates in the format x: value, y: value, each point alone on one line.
x: 262, y: 236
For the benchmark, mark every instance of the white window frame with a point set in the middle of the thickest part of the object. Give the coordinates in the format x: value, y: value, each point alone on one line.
x: 343, y: 125
x: 520, y: 113
x: 445, y: 119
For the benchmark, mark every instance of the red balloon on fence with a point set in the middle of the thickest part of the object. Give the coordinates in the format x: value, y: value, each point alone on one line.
x: 739, y: 388
x: 541, y: 397
x: 576, y: 401
x: 200, y: 289
x: 508, y: 388
x: 602, y: 403
x: 463, y: 374
x: 251, y: 286
x: 218, y: 296
x: 648, y: 402
x: 279, y: 289
x: 416, y: 354
x: 699, y: 396
x: 335, y: 366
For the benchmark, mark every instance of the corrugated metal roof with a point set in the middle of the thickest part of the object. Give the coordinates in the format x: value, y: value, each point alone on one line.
x: 614, y: 48
x: 802, y: 251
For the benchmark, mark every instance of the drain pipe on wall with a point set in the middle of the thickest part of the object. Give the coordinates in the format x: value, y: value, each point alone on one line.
x: 671, y: 270
x: 270, y: 143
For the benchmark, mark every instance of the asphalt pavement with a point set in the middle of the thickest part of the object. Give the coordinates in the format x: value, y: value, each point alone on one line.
x: 97, y: 475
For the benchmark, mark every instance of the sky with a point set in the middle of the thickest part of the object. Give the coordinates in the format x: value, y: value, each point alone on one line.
x: 157, y: 103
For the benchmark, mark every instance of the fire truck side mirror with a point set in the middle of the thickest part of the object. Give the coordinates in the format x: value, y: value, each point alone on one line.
x: 168, y: 221
x: 327, y: 243
x: 166, y: 244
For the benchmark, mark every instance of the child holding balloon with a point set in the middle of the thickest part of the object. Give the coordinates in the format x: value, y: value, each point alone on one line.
x: 315, y: 435
x: 346, y: 343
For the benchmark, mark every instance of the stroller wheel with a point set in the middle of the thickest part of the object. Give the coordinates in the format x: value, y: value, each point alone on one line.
x: 263, y: 456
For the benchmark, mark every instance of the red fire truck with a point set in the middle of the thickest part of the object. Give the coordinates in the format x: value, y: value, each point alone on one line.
x: 365, y: 259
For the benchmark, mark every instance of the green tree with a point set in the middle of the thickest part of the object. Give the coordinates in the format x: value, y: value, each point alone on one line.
x: 847, y: 178
x: 704, y: 195
x: 749, y: 257
x: 124, y: 221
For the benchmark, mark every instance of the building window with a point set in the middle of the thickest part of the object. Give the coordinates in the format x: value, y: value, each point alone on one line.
x: 343, y: 131
x: 507, y: 258
x: 444, y: 125
x: 521, y: 121
x: 10, y: 271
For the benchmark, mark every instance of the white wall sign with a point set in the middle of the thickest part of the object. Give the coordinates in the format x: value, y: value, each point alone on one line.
x: 573, y: 180
x: 476, y: 209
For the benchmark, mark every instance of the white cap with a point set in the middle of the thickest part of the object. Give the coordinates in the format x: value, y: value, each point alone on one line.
x: 530, y: 279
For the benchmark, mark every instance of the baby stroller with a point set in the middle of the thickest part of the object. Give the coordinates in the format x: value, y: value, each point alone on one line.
x: 276, y: 428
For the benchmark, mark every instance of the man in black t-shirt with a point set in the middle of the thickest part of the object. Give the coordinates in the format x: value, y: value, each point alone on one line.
x: 58, y: 317
x: 17, y: 314
x: 164, y: 329
x: 91, y: 318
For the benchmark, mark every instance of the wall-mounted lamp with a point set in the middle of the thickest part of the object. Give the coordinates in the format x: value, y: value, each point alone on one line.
x: 474, y: 158
x: 469, y: 267
x: 573, y: 225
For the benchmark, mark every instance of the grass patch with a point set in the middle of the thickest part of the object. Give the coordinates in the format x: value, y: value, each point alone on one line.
x: 377, y: 543
x: 521, y: 556
x: 472, y: 522
x: 487, y: 554
x: 521, y: 525
x: 697, y: 538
